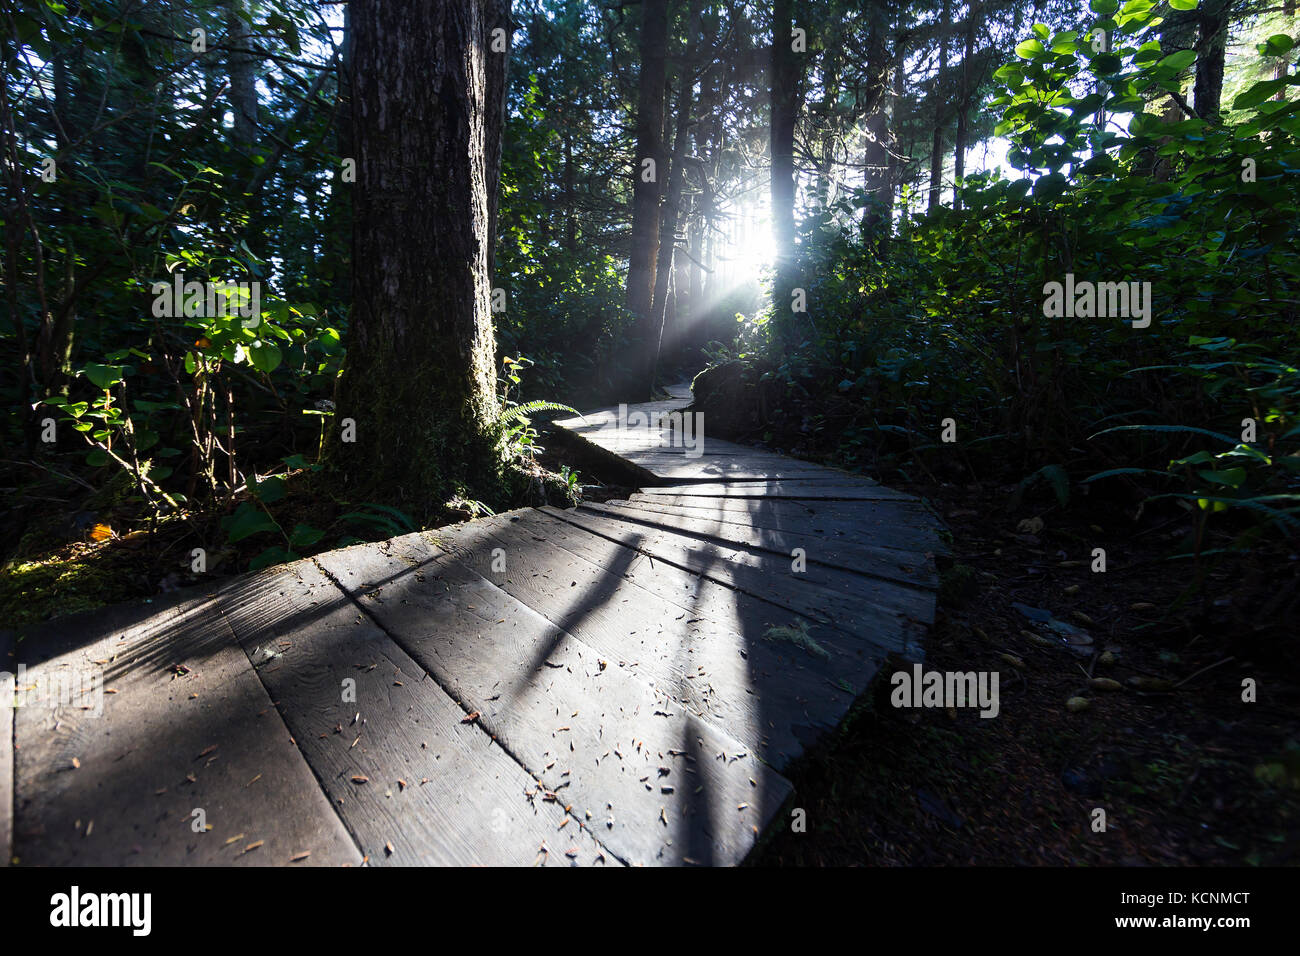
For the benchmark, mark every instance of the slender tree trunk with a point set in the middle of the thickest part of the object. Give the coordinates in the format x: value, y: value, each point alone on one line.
x: 646, y: 191
x: 670, y: 215
x: 895, y: 170
x: 830, y: 120
x: 961, y: 140
x: 683, y: 305
x: 1280, y: 71
x: 570, y: 219
x: 876, y: 155
x: 336, y: 268
x: 60, y: 340
x: 418, y: 385
x: 243, y: 80
x: 695, y: 283
x: 785, y: 110
x: 940, y: 114
x: 1211, y: 52
x: 496, y: 14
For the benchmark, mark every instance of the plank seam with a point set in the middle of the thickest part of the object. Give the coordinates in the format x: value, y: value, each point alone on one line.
x: 411, y: 653
x: 352, y: 835
x: 653, y: 557
x: 753, y: 548
x: 706, y: 718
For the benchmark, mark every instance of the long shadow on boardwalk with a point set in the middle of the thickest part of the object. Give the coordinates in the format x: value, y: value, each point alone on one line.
x: 591, y: 686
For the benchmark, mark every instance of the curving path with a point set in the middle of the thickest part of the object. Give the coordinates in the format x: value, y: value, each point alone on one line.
x: 620, y: 683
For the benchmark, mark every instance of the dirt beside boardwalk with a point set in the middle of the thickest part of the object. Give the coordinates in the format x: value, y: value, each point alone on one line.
x: 1185, y: 770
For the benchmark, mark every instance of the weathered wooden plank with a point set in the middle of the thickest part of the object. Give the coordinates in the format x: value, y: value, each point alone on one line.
x: 7, y: 667
x: 893, y: 525
x: 906, y: 567
x: 183, y: 736
x: 415, y: 782
x: 715, y: 469
x: 610, y: 415
x: 657, y: 785
x: 803, y: 488
x: 874, y: 608
x: 662, y: 451
x: 708, y: 463
x: 768, y: 695
x: 611, y: 412
x: 871, y: 512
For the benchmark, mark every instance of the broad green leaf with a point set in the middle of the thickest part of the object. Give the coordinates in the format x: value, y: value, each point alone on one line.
x: 103, y: 376
x: 273, y: 555
x: 264, y: 356
x: 269, y: 490
x: 1180, y: 60
x: 304, y: 536
x: 248, y: 520
x: 1258, y: 94
x: 1279, y: 44
x: 1030, y: 49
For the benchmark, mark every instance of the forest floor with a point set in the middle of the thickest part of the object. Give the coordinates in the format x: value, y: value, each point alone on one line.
x: 1186, y: 772
x: 68, y: 549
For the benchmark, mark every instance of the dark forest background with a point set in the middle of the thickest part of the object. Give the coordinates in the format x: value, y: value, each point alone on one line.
x: 850, y: 215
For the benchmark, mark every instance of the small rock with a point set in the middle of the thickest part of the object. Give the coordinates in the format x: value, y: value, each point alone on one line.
x: 1077, y: 780
x: 936, y: 807
x: 1077, y: 705
x: 1105, y: 683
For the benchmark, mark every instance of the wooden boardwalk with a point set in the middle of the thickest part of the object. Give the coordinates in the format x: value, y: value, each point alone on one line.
x: 617, y: 684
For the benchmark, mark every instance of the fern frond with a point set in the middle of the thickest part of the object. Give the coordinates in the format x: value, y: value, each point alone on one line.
x: 530, y: 408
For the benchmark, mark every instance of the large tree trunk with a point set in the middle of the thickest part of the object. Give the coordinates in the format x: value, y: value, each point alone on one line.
x: 418, y: 380
x: 645, y: 194
x: 785, y: 111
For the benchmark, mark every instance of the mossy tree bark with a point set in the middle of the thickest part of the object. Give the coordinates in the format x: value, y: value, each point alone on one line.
x: 419, y: 380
